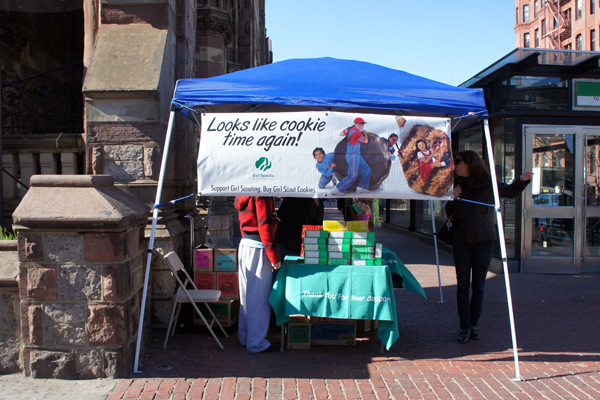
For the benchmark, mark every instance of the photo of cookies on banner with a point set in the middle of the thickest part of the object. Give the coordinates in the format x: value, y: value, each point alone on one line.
x: 426, y: 158
x: 362, y: 160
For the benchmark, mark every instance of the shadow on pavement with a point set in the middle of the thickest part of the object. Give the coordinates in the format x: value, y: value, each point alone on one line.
x: 556, y: 319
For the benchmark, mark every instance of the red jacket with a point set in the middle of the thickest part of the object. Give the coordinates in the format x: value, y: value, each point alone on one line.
x: 354, y: 135
x: 257, y: 218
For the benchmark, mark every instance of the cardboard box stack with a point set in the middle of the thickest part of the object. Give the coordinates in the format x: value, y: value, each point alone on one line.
x: 216, y: 268
x: 338, y: 244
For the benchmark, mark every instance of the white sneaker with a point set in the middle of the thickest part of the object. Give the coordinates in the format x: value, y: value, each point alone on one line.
x: 443, y: 164
x: 336, y: 192
x: 362, y: 190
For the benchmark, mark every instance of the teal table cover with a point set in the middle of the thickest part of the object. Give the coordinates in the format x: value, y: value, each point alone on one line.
x: 343, y: 291
x: 401, y: 276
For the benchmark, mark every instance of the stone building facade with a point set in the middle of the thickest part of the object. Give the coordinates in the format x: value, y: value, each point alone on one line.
x: 117, y: 63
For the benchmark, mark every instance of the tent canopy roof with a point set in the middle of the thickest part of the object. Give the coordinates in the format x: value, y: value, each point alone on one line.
x: 329, y: 83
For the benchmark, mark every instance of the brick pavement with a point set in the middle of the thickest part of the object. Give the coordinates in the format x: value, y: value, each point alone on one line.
x: 557, y: 322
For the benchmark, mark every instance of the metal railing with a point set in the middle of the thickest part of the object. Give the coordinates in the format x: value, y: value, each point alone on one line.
x: 48, y: 102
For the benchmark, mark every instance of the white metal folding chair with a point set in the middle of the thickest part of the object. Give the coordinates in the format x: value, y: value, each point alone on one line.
x: 192, y: 296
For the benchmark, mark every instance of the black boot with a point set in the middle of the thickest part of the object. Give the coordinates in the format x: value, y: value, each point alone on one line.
x: 464, y: 335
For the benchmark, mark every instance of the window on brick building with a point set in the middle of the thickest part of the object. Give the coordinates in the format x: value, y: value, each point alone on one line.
x: 526, y: 40
x: 537, y: 38
x: 517, y: 15
x: 592, y: 6
x: 579, y: 10
x: 579, y: 42
x: 543, y: 27
x: 568, y: 14
x: 593, y: 40
x: 536, y: 8
x: 526, y: 13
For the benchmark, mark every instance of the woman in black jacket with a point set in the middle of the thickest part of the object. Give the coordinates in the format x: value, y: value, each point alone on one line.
x: 474, y: 233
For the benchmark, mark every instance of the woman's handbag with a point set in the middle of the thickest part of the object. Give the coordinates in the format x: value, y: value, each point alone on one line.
x: 445, y: 232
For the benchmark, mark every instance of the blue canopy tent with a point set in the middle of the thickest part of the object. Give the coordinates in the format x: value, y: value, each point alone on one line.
x: 328, y: 84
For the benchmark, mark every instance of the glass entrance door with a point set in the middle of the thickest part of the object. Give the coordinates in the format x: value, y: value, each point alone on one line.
x: 562, y: 214
x: 591, y: 213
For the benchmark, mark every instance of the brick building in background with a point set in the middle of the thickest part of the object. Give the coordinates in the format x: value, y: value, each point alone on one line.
x: 557, y: 24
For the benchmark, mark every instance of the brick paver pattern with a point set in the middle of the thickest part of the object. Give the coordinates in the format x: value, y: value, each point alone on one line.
x: 557, y: 320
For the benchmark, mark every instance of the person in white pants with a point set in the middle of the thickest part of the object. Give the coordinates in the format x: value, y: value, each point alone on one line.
x: 257, y: 257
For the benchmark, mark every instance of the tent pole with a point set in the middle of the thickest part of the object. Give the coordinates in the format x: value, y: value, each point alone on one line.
x: 161, y: 179
x: 486, y: 128
x: 437, y: 257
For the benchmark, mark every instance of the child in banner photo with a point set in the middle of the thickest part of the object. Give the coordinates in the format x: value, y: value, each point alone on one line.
x: 325, y: 166
x: 356, y: 164
x: 427, y: 160
x: 391, y: 143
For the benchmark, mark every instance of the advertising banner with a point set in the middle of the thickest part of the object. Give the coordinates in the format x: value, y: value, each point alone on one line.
x: 325, y: 154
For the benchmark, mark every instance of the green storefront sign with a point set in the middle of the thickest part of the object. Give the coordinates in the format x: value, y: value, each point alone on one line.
x: 587, y: 94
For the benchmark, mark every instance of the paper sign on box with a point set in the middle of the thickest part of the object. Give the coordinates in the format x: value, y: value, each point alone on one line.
x: 227, y: 283
x: 225, y: 260
x: 203, y: 259
x: 205, y: 280
x: 333, y: 334
x: 298, y: 336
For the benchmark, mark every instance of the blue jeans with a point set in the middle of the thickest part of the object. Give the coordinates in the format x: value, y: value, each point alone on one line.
x: 472, y: 262
x: 356, y: 166
x: 324, y: 181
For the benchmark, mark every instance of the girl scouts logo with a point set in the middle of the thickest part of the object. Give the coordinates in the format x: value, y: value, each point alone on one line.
x: 263, y: 164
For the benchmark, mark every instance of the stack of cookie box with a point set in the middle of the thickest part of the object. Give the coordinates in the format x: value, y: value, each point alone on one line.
x: 340, y: 247
x: 314, y: 244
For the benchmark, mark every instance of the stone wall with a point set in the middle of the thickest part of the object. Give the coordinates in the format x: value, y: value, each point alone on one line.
x: 82, y: 262
x: 10, y: 332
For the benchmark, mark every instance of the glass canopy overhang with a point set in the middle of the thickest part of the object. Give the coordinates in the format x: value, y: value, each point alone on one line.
x: 528, y: 60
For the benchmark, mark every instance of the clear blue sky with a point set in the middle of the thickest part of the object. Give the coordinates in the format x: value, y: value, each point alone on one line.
x: 445, y: 40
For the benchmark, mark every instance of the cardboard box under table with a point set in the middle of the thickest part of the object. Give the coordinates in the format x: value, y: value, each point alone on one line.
x: 226, y: 312
x: 344, y: 291
x: 333, y: 333
x: 298, y: 332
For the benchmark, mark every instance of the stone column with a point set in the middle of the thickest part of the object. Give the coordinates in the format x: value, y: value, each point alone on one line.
x: 47, y: 164
x: 28, y: 166
x: 140, y: 49
x: 9, y: 163
x: 82, y: 260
